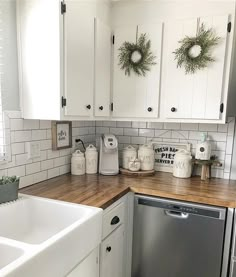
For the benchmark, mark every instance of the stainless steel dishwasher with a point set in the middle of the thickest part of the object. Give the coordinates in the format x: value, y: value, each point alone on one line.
x: 178, y: 239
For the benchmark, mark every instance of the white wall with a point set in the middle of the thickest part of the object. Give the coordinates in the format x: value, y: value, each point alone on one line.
x: 9, y: 82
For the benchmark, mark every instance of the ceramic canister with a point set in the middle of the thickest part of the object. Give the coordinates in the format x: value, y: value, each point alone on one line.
x: 78, y: 163
x: 128, y: 154
x: 91, y: 157
x: 135, y: 165
x: 146, y: 155
x: 182, y: 167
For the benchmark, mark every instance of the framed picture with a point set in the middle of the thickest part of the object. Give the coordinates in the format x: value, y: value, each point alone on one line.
x: 165, y: 153
x: 61, y: 135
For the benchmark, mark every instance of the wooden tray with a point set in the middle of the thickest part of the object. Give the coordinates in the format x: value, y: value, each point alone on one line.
x: 137, y: 173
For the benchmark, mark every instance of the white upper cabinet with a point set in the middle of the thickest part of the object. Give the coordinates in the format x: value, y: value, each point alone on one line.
x: 102, y: 69
x: 64, y: 58
x: 79, y: 27
x: 39, y: 58
x: 198, y: 95
x: 137, y: 96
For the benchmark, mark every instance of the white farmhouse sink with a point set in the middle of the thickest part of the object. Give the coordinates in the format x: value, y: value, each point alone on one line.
x: 54, y: 236
x: 9, y: 254
x: 34, y: 220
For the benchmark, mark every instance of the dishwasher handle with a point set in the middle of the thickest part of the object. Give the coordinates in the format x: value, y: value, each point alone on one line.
x: 179, y: 215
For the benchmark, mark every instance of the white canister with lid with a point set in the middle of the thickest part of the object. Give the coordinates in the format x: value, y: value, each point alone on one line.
x: 182, y: 167
x: 91, y: 157
x: 146, y: 156
x: 78, y: 163
x: 129, y: 153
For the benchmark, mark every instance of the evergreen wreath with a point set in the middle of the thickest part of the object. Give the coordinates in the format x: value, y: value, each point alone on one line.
x: 136, y: 57
x: 194, y: 52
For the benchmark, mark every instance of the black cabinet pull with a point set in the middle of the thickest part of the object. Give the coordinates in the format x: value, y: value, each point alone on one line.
x: 108, y: 249
x: 101, y: 108
x: 173, y: 109
x: 88, y: 107
x: 149, y: 109
x: 115, y: 220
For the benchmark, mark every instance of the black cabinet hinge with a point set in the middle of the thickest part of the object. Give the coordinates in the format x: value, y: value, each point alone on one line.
x: 229, y: 27
x: 112, y: 107
x: 63, y: 8
x: 63, y: 102
x: 113, y: 39
x: 222, y: 107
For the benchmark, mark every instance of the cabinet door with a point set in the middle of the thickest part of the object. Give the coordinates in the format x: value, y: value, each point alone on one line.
x: 137, y: 96
x: 112, y: 253
x: 89, y: 267
x: 198, y: 95
x: 102, y: 69
x: 79, y: 58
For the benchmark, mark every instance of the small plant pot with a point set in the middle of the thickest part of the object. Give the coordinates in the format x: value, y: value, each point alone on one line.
x: 9, y: 192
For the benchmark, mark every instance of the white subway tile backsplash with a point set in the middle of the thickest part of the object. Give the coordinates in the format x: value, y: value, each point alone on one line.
x: 189, y: 126
x: 16, y: 124
x: 45, y: 124
x: 124, y: 124
x: 59, y: 161
x: 146, y: 132
x: 40, y: 176
x: 31, y: 124
x: 52, y: 154
x: 137, y: 124
x: 53, y: 172
x: 22, y: 136
x: 18, y: 148
x: 117, y: 131
x: 108, y: 124
x: 123, y: 139
x: 163, y: 133
x: 130, y: 131
x: 229, y: 144
x: 17, y: 171
x: 208, y: 127
x: 48, y: 164
x: 179, y: 134
x: 222, y: 128
x: 39, y: 134
x: 155, y: 125
x: 22, y: 159
x: 172, y: 126
x: 32, y: 168
x: 217, y: 136
x: 138, y: 140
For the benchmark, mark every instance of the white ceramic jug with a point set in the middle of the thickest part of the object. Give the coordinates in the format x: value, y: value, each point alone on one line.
x: 78, y: 163
x: 146, y: 155
x: 182, y: 167
x: 91, y: 157
x: 128, y: 154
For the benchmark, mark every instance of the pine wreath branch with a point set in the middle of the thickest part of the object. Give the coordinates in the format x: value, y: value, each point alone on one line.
x: 146, y: 61
x: 206, y: 39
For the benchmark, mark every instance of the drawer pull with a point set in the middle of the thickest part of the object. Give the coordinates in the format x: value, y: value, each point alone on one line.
x: 115, y: 220
x: 108, y: 249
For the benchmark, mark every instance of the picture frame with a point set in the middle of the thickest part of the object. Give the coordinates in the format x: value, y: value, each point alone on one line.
x: 164, y: 154
x: 61, y: 135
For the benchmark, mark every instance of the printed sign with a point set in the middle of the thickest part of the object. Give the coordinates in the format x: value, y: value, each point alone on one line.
x: 165, y: 153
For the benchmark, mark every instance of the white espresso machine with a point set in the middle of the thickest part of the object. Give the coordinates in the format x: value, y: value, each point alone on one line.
x: 108, y: 159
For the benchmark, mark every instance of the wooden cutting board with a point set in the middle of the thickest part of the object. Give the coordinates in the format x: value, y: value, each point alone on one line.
x: 137, y: 173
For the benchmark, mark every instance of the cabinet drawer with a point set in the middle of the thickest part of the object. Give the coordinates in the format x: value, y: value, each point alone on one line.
x: 112, y: 219
x: 112, y: 254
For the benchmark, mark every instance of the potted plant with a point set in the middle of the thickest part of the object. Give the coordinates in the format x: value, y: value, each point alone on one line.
x: 9, y: 186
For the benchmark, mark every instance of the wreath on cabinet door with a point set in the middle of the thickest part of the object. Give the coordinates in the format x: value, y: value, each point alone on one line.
x: 136, y: 57
x: 195, y: 52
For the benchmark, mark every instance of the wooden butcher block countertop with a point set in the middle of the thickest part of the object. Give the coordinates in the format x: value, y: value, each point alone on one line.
x: 102, y: 191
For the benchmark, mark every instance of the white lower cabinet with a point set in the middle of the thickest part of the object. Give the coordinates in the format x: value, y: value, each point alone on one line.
x: 116, y: 246
x: 89, y: 267
x: 112, y: 252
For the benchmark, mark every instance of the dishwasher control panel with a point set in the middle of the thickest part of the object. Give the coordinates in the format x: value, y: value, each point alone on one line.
x: 178, y: 207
